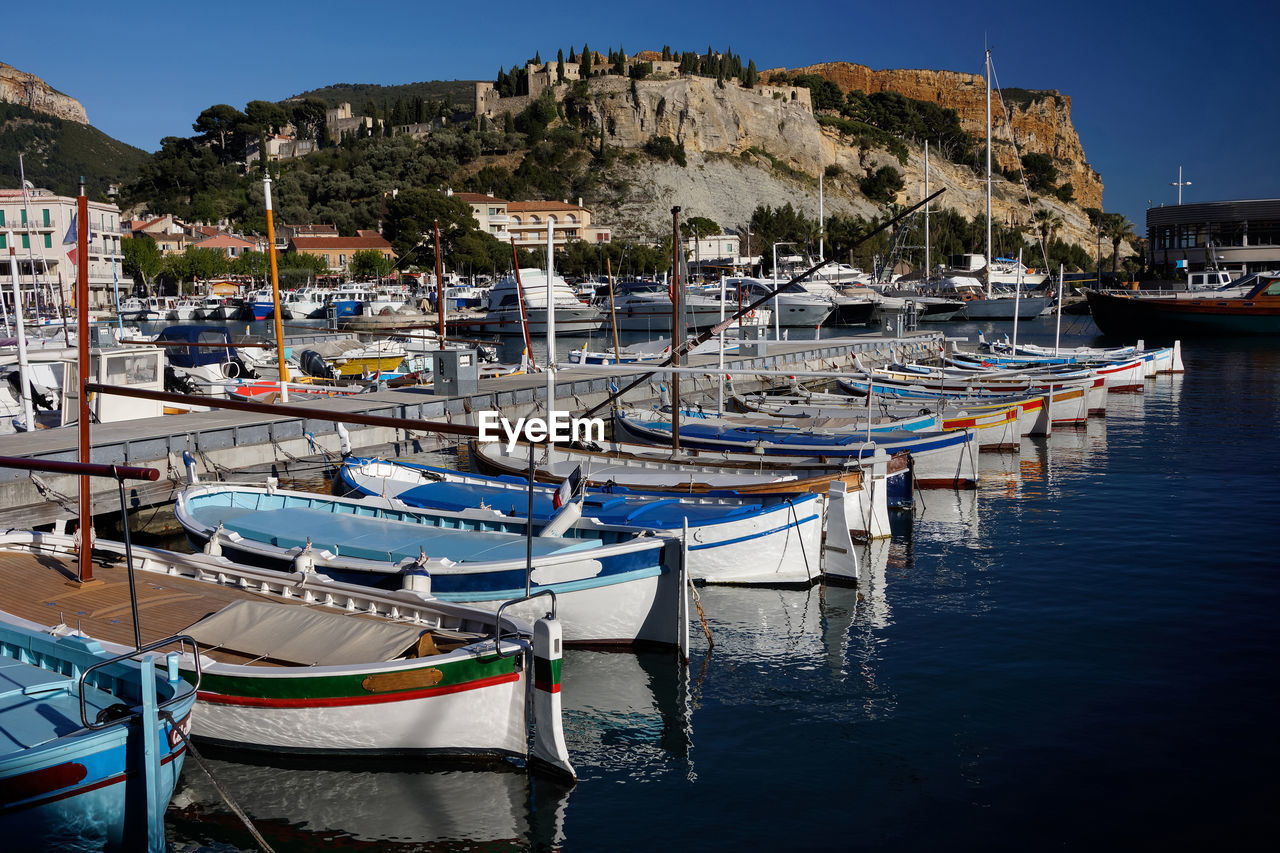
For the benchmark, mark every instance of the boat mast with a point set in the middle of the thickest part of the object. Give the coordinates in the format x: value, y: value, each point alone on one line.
x: 275, y: 291
x: 85, y: 531
x: 551, y: 322
x: 988, y: 267
x: 613, y: 311
x: 524, y: 318
x: 440, y: 288
x: 677, y: 333
x: 927, y: 268
x: 24, y: 369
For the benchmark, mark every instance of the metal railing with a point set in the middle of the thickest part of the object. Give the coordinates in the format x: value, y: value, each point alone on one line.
x: 499, y: 636
x: 181, y: 639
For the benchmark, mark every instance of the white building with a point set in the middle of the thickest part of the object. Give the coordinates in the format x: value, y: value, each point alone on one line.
x: 35, y: 227
x: 719, y: 253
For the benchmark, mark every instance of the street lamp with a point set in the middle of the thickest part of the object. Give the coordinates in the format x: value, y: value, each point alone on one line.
x: 1179, y: 184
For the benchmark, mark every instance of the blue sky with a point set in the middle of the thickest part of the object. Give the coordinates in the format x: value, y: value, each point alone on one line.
x: 1153, y: 86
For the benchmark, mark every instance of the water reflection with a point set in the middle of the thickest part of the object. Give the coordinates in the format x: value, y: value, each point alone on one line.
x: 305, y: 807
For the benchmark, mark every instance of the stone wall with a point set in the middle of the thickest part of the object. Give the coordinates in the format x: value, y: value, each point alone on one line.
x: 19, y: 87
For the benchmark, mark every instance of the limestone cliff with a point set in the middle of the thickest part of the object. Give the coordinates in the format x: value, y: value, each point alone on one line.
x: 19, y: 87
x: 750, y: 147
x: 1041, y: 120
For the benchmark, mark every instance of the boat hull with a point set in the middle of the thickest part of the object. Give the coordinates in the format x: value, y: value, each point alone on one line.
x: 1164, y: 319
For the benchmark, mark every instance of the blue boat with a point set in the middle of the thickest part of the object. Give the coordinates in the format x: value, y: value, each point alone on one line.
x: 90, y: 754
x: 612, y: 586
x: 734, y: 540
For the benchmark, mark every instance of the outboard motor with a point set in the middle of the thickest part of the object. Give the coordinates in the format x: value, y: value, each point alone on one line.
x: 313, y: 364
x: 178, y: 383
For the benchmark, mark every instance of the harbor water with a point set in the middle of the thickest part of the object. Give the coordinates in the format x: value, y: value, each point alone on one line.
x: 1078, y: 655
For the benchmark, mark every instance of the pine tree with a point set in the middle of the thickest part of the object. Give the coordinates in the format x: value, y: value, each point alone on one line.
x: 666, y: 53
x: 586, y: 61
x: 560, y: 66
x: 572, y: 56
x: 752, y: 75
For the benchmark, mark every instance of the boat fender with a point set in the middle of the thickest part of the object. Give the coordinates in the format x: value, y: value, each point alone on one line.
x: 231, y: 369
x: 414, y: 577
x: 344, y: 440
x: 189, y: 462
x: 563, y: 520
x: 213, y: 547
x: 305, y: 562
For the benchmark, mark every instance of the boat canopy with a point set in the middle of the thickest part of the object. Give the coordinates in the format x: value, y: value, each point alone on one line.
x: 195, y: 356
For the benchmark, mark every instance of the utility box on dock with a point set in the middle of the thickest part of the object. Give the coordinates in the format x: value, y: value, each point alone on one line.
x: 753, y: 341
x: 892, y: 323
x: 456, y: 372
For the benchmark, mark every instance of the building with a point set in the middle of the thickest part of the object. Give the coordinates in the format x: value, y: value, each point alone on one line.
x: 279, y: 147
x: 526, y: 221
x: 1244, y: 235
x: 337, y: 251
x: 36, y: 225
x: 340, y: 122
x: 231, y: 245
x: 717, y: 254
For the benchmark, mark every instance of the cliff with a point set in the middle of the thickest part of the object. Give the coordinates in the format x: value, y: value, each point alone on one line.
x: 19, y: 87
x: 763, y: 146
x: 1041, y: 120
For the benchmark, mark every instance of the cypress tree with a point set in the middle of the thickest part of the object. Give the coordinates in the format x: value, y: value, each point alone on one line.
x: 586, y: 61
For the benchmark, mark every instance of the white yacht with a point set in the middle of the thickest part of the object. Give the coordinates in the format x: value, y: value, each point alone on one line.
x: 572, y: 315
x: 644, y: 305
x: 795, y: 307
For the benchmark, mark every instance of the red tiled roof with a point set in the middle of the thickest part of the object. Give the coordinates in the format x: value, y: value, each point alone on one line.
x: 329, y: 244
x: 479, y: 198
x: 536, y: 206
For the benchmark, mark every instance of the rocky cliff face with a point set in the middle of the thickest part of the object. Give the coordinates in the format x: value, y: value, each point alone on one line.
x: 19, y: 87
x: 1041, y: 124
x: 762, y: 147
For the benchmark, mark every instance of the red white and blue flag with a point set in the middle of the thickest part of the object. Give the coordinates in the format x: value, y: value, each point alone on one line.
x: 568, y: 488
x: 70, y: 240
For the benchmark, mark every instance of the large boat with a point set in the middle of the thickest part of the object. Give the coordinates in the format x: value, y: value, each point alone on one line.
x: 1247, y: 306
x: 572, y: 315
x: 794, y: 306
x: 642, y: 305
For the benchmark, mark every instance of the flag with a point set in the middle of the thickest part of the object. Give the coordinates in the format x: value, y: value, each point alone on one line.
x: 568, y: 488
x: 70, y: 240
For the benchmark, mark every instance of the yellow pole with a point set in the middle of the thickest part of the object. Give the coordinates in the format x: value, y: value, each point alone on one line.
x: 275, y: 293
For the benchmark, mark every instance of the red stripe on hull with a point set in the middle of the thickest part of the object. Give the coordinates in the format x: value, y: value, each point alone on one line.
x: 546, y: 688
x: 347, y: 701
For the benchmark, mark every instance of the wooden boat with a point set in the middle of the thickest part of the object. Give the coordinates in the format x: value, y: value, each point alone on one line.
x: 938, y: 459
x: 611, y: 586
x: 927, y: 388
x: 89, y: 758
x: 1248, y: 306
x: 1158, y: 360
x: 298, y: 663
x: 996, y: 427
x: 732, y: 540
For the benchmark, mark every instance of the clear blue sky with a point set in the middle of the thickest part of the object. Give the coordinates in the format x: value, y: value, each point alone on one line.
x: 1153, y: 86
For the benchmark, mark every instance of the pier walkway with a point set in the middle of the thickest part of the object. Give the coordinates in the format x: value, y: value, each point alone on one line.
x: 240, y: 445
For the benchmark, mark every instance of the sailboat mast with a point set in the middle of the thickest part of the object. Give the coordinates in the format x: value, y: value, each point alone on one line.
x: 677, y: 332
x: 551, y: 319
x: 85, y: 555
x: 24, y: 369
x: 927, y: 266
x: 275, y: 290
x: 988, y: 268
x: 440, y: 286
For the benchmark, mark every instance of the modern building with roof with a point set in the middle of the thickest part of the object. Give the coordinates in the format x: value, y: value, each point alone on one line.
x: 1240, y: 236
x: 37, y: 227
x: 526, y: 221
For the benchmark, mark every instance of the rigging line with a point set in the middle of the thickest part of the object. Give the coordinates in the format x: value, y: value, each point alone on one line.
x: 1044, y: 251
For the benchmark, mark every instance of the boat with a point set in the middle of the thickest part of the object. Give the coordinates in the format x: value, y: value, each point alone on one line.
x: 297, y: 664
x: 261, y: 305
x: 1158, y: 360
x: 201, y: 359
x: 611, y: 586
x: 1249, y: 306
x: 643, y: 305
x: 938, y: 459
x: 184, y: 309
x: 732, y: 540
x: 212, y: 308
x: 137, y: 309
x: 307, y: 303
x: 350, y: 358
x: 844, y: 286
x: 87, y: 733
x: 572, y: 315
x: 792, y: 307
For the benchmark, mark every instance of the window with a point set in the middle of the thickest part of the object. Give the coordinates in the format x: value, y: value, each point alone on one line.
x: 46, y: 217
x: 24, y: 216
x: 26, y: 241
x: 342, y: 259
x: 515, y: 220
x: 1, y: 218
x: 494, y: 211
x: 48, y: 241
x: 3, y: 244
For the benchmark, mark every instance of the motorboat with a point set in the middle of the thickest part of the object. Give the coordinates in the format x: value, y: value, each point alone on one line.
x: 572, y: 315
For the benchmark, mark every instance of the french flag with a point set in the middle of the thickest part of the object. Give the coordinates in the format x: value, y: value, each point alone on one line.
x: 567, y: 489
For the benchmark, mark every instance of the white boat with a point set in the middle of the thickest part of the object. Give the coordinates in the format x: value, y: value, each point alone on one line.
x: 645, y: 306
x: 794, y: 307
x: 611, y: 586
x: 212, y: 308
x: 305, y: 303
x: 184, y: 309
x: 572, y: 315
x: 732, y: 540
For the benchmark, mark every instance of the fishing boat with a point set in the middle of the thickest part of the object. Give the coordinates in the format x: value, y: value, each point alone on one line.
x: 212, y: 308
x: 184, y: 309
x: 732, y: 540
x: 296, y: 663
x: 1068, y: 402
x: 305, y: 303
x: 939, y: 459
x: 1248, y: 306
x: 612, y: 586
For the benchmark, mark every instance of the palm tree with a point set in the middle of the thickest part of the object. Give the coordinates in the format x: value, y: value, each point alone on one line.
x: 1118, y: 229
x: 1047, y: 221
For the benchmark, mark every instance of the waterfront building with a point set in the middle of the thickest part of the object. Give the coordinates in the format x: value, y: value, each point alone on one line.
x: 337, y: 251
x: 38, y: 226
x: 1244, y: 236
x: 526, y: 221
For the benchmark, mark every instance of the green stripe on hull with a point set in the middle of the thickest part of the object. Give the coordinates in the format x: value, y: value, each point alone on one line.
x: 546, y: 671
x: 299, y: 683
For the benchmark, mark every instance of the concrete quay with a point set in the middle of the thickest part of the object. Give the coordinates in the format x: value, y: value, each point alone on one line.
x: 237, y: 445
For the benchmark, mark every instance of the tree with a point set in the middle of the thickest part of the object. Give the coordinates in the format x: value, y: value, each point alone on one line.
x: 1117, y: 228
x: 584, y: 70
x: 1040, y: 171
x: 370, y: 265
x: 411, y: 214
x: 883, y: 185
x: 560, y: 66
x: 309, y: 118
x: 264, y: 117
x: 142, y: 259
x: 752, y: 76
x: 256, y: 265
x: 1047, y: 222
x: 701, y: 225
x: 221, y: 125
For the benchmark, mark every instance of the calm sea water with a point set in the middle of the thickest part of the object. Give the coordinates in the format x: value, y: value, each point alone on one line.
x: 1080, y: 655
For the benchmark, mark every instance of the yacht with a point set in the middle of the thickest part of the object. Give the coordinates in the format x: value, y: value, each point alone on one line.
x: 843, y: 285
x: 795, y: 307
x: 305, y: 303
x: 185, y: 309
x: 572, y: 315
x: 645, y: 305
x: 212, y: 308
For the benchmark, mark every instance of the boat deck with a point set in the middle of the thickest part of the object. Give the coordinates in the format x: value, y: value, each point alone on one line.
x: 40, y: 587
